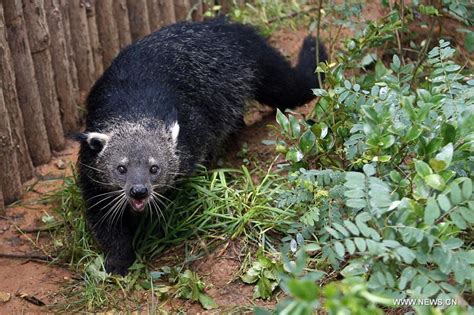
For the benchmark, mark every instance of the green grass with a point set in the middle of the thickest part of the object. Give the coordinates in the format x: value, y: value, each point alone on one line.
x: 211, y: 207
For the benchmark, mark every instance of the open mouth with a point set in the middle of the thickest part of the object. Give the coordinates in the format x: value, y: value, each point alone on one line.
x: 138, y: 204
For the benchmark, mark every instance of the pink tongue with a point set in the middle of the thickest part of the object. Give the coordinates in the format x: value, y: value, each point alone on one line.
x: 138, y: 204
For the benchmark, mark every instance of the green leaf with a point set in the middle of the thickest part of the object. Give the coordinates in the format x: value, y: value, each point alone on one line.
x: 458, y: 220
x: 355, y: 268
x: 430, y: 289
x: 369, y: 169
x: 421, y: 190
x: 339, y: 249
x: 363, y: 217
x: 264, y: 288
x: 455, y: 194
x: 320, y: 130
x: 395, y: 63
x: 467, y: 188
x: 283, y: 121
x: 387, y: 141
x: 432, y: 211
x: 356, y: 203
x: 428, y: 9
x: 350, y: 246
x: 311, y: 247
x: 467, y: 214
x: 332, y: 232
x: 453, y: 243
x: 294, y: 155
x: 422, y: 168
x: 413, y: 133
x: 340, y: 229
x: 407, y: 274
x: 295, y: 127
x: 435, y: 181
x: 351, y: 227
x: 469, y: 42
x: 363, y: 228
x: 303, y: 289
x: 360, y: 243
x: 355, y: 194
x: 448, y: 132
x: 320, y: 92
x: 307, y: 141
x: 347, y: 84
x: 207, y: 302
x: 442, y: 160
x: 407, y: 254
x: 444, y: 203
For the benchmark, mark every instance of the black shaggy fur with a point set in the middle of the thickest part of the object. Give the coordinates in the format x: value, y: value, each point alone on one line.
x: 200, y: 74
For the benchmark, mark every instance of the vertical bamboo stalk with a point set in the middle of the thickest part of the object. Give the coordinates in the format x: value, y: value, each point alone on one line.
x: 81, y: 44
x: 39, y: 38
x: 10, y: 181
x: 138, y: 15
x: 94, y: 36
x: 7, y: 79
x: 70, y: 51
x: 166, y: 11
x: 28, y: 95
x: 108, y: 33
x: 123, y: 23
x: 62, y: 77
x: 182, y: 9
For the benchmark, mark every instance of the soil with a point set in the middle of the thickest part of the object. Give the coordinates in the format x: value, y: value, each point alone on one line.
x: 38, y: 279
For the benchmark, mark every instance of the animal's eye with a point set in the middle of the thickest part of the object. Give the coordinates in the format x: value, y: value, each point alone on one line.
x: 122, y: 169
x: 154, y: 169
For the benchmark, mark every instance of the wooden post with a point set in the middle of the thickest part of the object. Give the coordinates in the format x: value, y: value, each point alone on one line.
x: 70, y: 51
x: 94, y: 37
x: 153, y: 14
x: 38, y: 34
x: 108, y: 34
x: 28, y: 95
x: 166, y: 11
x: 10, y: 181
x: 123, y: 23
x: 182, y: 9
x: 197, y: 10
x: 138, y: 15
x: 63, y: 80
x: 225, y: 6
x: 81, y: 44
x: 2, y: 203
x: 7, y: 79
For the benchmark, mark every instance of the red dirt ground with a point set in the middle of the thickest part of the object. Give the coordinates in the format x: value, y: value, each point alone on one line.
x: 218, y: 269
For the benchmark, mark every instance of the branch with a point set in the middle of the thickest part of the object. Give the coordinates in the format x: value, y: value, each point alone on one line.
x: 26, y: 256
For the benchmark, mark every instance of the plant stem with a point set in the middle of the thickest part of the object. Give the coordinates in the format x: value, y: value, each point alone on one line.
x: 318, y: 31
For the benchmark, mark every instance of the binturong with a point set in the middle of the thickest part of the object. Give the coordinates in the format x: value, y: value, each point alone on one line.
x: 167, y: 103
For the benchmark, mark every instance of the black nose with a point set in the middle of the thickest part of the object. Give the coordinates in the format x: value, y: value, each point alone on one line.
x: 139, y: 192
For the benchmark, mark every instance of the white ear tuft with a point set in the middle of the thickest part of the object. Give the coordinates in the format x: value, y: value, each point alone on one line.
x: 96, y: 140
x: 175, y: 131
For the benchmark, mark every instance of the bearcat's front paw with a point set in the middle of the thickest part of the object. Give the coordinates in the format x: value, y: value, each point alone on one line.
x: 119, y: 265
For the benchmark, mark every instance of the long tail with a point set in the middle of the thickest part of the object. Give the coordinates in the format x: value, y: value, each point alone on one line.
x: 283, y: 86
x: 306, y: 67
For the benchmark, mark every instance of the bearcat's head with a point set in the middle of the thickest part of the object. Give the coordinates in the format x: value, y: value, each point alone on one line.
x: 134, y: 162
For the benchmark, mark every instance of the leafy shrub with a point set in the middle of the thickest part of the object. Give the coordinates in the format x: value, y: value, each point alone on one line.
x: 401, y: 217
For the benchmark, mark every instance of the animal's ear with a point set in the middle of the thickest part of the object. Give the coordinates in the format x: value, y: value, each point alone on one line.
x: 174, y: 128
x: 96, y: 140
